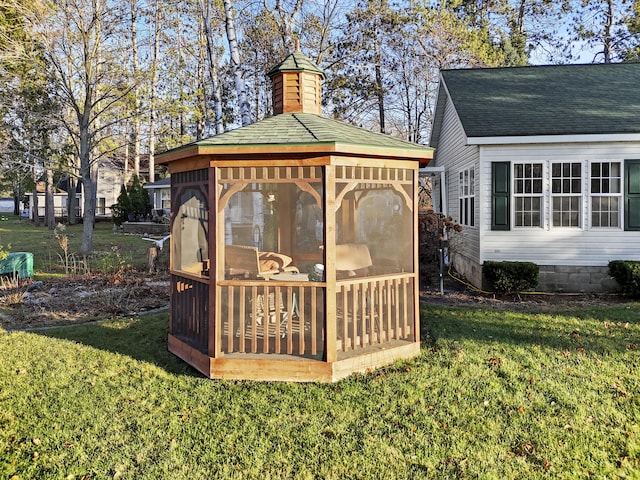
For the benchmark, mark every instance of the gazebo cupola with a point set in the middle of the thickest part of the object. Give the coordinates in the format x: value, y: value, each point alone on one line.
x: 297, y: 85
x: 293, y: 243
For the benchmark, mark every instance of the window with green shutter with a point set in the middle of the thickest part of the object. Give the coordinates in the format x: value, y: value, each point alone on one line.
x: 500, y: 192
x: 632, y: 194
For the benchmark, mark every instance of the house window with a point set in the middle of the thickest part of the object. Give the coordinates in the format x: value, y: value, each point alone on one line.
x: 102, y: 206
x: 165, y: 199
x: 528, y: 194
x: 566, y: 194
x: 606, y: 194
x: 611, y: 194
x: 467, y: 197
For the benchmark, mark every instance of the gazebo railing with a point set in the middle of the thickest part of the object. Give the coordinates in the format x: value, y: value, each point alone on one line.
x: 270, y: 317
x: 374, y: 311
x: 266, y: 317
x: 190, y: 311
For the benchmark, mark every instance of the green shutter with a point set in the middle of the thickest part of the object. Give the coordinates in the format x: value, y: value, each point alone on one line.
x: 500, y: 206
x: 632, y: 194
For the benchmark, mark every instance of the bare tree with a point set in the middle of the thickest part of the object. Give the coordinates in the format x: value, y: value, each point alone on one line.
x: 135, y: 71
x: 82, y: 45
x: 213, y: 64
x: 234, y: 51
x: 153, y: 88
x: 604, y: 26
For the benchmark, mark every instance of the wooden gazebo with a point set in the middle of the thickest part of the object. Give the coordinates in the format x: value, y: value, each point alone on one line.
x: 293, y: 243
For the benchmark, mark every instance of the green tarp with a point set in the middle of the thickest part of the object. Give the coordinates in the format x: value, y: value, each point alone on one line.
x: 18, y: 264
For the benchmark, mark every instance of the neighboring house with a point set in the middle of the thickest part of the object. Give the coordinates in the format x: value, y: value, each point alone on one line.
x: 160, y: 193
x: 112, y: 174
x: 542, y: 165
x: 60, y: 198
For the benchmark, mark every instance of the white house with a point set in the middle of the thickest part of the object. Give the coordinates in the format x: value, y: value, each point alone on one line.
x: 542, y: 165
x: 112, y: 174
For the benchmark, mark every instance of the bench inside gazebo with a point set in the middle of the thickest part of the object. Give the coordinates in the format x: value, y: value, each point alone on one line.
x: 293, y: 243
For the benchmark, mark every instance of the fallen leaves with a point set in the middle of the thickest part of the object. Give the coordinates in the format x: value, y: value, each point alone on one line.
x: 495, y: 361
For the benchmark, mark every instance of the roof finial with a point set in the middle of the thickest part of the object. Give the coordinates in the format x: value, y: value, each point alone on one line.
x: 297, y: 44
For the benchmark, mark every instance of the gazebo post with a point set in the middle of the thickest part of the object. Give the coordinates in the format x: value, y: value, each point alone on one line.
x: 330, y: 265
x: 214, y: 307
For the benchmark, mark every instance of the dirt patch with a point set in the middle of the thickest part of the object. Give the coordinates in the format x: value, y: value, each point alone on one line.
x: 65, y: 301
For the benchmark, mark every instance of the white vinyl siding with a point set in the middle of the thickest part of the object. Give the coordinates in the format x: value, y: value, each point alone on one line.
x: 456, y: 156
x: 594, y: 242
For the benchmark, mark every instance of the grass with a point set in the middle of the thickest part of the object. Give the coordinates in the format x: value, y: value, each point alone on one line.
x: 493, y: 394
x: 111, y: 250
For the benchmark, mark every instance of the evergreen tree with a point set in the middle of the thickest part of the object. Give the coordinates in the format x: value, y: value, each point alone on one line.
x: 140, y: 201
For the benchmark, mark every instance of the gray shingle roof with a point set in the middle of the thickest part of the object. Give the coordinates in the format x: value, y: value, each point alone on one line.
x: 302, y: 129
x: 546, y: 100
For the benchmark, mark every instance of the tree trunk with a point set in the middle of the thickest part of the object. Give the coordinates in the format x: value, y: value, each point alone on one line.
x: 16, y: 203
x: 89, y: 175
x: 72, y: 200
x: 34, y: 204
x: 136, y: 93
x: 379, y: 84
x: 49, y: 211
x: 608, y: 31
x: 153, y: 92
x: 216, y: 94
x: 234, y: 51
x: 286, y: 23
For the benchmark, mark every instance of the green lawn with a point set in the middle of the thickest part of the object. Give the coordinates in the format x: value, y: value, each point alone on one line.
x: 494, y: 394
x: 111, y: 249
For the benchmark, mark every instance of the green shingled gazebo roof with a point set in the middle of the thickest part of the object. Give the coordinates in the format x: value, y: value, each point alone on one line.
x: 296, y: 62
x: 302, y: 129
x: 546, y: 100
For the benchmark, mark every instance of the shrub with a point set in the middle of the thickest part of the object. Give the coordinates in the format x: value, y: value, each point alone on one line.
x: 627, y: 274
x: 140, y: 201
x: 121, y: 209
x: 511, y: 277
x: 134, y: 203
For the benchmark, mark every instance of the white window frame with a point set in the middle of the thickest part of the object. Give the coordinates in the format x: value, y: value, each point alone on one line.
x: 566, y: 187
x: 466, y: 197
x: 165, y: 198
x: 606, y: 195
x: 528, y: 187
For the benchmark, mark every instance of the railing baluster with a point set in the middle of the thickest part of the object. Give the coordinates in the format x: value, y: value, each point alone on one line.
x: 363, y: 314
x: 314, y: 339
x: 265, y: 319
x: 229, y: 320
x: 254, y: 320
x: 278, y: 307
x: 242, y: 321
x: 301, y: 346
x: 289, y: 331
x: 345, y: 324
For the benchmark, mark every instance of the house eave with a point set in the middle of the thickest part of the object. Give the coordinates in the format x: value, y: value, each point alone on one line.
x: 541, y: 139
